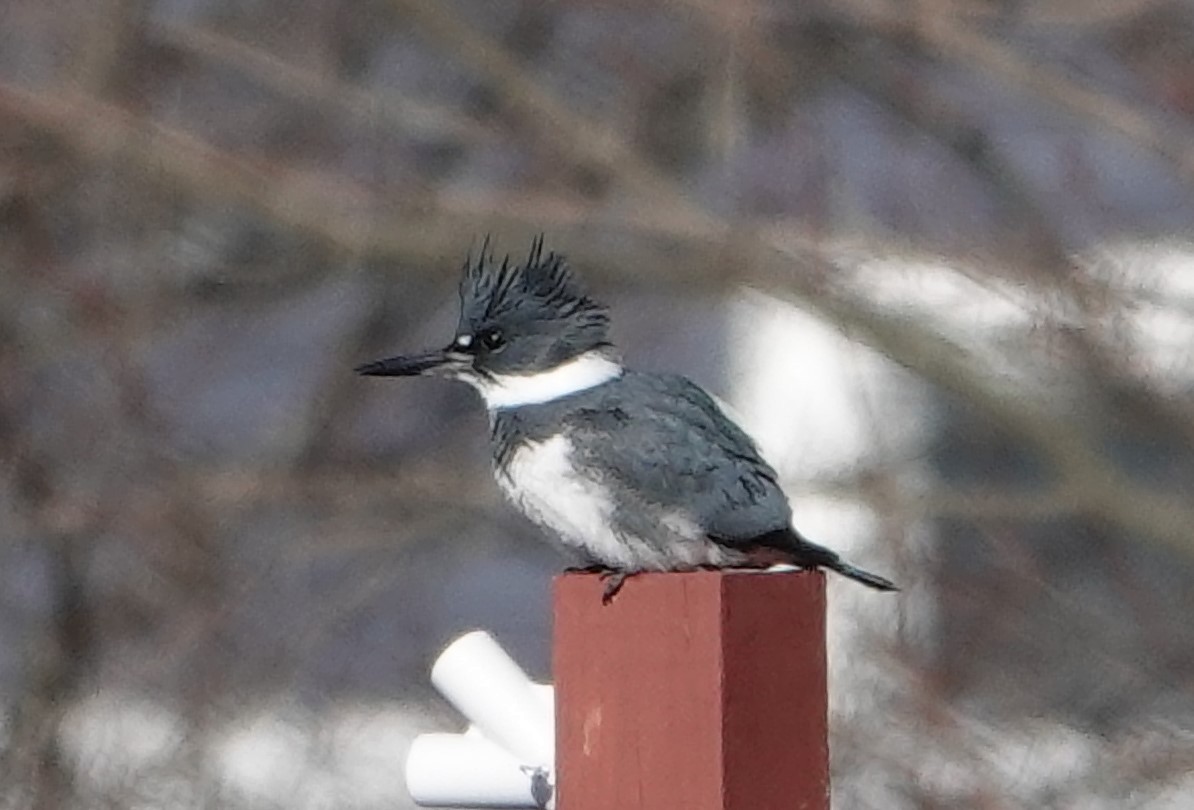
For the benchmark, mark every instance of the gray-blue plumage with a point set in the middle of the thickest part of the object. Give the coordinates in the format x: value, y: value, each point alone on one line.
x: 636, y: 471
x: 658, y: 443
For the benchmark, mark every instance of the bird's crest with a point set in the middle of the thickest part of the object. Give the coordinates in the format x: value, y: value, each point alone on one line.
x: 541, y: 289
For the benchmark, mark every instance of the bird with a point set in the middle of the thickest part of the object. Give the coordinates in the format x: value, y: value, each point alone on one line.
x: 636, y: 471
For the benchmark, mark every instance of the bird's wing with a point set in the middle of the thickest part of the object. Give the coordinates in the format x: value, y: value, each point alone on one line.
x: 690, y: 458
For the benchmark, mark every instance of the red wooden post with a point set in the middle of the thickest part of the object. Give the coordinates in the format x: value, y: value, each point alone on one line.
x: 692, y: 691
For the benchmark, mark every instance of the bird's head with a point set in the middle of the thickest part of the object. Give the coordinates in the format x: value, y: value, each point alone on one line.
x: 527, y: 333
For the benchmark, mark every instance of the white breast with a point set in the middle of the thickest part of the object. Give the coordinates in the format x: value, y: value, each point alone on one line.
x: 542, y: 481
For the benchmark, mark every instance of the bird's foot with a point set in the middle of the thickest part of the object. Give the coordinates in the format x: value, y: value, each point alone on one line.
x: 613, y: 583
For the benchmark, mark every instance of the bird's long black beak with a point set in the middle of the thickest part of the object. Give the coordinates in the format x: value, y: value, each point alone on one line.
x: 440, y: 363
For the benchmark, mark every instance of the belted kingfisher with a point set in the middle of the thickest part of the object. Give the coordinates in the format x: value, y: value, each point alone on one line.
x: 640, y: 472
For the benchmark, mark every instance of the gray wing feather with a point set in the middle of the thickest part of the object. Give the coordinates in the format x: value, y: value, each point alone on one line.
x: 690, y: 457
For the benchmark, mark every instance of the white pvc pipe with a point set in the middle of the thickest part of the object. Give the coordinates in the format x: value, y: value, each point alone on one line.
x: 494, y: 694
x: 452, y: 770
x: 547, y: 695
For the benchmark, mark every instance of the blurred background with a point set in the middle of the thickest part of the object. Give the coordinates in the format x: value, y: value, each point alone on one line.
x: 936, y: 254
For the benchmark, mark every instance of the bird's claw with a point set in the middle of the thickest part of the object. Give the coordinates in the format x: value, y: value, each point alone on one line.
x: 613, y: 583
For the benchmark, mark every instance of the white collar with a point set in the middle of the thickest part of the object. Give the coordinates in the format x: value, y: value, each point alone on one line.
x: 578, y: 374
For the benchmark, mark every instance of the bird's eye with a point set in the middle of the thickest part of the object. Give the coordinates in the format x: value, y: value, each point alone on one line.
x: 493, y: 339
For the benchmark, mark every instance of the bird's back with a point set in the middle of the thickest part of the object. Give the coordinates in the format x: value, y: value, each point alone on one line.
x: 642, y: 472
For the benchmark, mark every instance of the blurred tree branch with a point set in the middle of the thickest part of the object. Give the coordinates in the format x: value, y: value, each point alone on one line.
x: 942, y: 34
x: 318, y: 89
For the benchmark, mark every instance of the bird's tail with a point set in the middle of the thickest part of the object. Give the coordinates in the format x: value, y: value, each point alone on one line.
x: 865, y: 577
x: 810, y: 555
